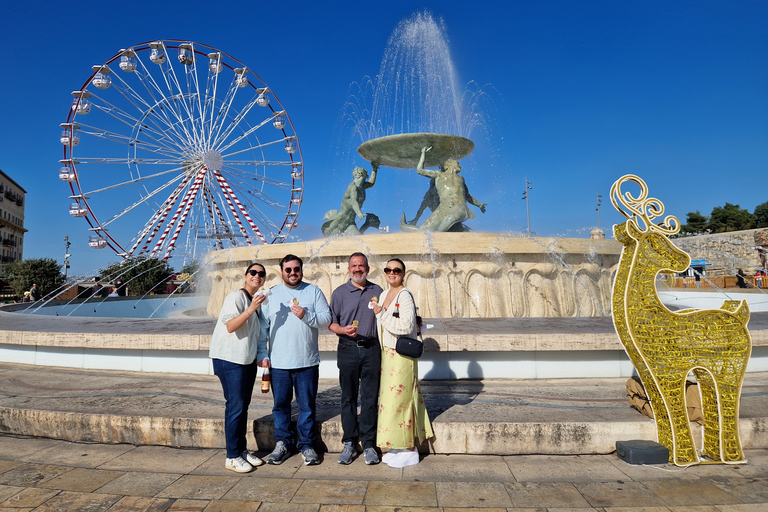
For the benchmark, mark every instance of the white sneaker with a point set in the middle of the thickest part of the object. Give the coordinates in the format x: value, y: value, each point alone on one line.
x: 387, y: 457
x: 239, y: 465
x: 252, y: 459
x: 404, y: 458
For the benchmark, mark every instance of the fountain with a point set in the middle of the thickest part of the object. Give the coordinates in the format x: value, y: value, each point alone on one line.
x: 558, y: 285
x: 451, y: 274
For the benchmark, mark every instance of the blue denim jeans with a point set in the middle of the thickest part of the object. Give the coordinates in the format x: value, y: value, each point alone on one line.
x: 237, y: 382
x: 304, y: 382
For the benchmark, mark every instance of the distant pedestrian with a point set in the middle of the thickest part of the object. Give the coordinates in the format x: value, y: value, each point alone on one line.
x: 97, y: 290
x: 759, y: 278
x: 34, y: 292
x: 120, y: 288
x: 170, y: 287
x: 740, y: 281
x: 26, y: 297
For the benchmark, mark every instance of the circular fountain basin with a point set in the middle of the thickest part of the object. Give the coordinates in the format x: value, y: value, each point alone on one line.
x: 177, y: 306
x: 403, y: 150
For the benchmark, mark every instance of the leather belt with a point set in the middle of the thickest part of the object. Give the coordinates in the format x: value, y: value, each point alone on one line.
x: 365, y: 343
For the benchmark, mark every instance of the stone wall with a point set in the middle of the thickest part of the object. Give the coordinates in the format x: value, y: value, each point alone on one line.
x: 452, y: 275
x: 727, y: 252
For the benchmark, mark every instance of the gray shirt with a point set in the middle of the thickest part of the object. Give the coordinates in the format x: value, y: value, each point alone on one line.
x: 244, y: 345
x: 348, y: 303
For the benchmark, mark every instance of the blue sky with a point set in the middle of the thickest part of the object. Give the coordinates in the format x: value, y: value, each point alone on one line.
x: 583, y: 92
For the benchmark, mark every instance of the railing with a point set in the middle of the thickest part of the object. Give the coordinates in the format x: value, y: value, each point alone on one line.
x: 719, y: 282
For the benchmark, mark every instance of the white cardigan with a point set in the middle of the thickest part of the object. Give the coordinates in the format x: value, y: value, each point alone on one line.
x: 390, y: 328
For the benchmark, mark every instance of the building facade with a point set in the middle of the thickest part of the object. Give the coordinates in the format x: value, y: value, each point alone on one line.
x: 12, y: 201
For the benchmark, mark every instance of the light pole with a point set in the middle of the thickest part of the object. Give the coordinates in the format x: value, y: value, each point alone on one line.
x: 66, y: 255
x: 527, y: 209
x: 599, y: 202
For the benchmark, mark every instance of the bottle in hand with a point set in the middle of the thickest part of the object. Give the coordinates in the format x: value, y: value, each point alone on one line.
x: 265, y: 378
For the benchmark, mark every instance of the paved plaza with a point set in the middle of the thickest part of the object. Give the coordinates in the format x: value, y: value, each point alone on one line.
x: 43, y: 474
x: 52, y: 475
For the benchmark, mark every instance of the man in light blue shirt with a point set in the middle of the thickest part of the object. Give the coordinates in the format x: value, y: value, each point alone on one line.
x: 295, y: 312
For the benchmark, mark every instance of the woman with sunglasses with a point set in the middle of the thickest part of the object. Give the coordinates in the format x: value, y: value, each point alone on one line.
x: 235, y: 350
x: 403, y: 422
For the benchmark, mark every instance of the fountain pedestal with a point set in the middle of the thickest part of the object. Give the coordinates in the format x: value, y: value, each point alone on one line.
x: 452, y: 275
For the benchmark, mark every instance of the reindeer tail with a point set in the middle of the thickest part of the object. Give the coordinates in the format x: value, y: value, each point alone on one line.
x: 739, y: 308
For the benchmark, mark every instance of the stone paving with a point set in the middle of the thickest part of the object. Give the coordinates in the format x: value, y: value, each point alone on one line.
x: 47, y: 475
x: 495, y: 417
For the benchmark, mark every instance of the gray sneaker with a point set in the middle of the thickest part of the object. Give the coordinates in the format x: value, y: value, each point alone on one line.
x: 348, y: 454
x: 279, y: 454
x: 371, y: 457
x: 310, y: 457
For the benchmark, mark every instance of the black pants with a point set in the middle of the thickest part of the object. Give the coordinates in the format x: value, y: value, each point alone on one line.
x: 359, y: 371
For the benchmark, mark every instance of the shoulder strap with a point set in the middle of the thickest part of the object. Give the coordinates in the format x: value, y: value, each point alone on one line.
x: 418, y: 318
x: 248, y: 295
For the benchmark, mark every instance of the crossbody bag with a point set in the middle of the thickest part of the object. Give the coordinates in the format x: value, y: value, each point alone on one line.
x: 407, y: 346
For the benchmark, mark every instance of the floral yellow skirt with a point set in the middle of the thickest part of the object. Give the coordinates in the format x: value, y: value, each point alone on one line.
x: 402, y: 413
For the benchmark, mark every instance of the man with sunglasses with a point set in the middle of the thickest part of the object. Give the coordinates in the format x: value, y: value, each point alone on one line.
x: 358, y: 358
x: 295, y: 312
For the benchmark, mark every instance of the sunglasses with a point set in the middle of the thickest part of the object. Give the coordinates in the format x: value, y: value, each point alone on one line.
x: 396, y: 271
x: 259, y: 273
x: 294, y: 270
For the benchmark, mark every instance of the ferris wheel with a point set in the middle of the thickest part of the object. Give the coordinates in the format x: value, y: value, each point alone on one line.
x: 174, y: 148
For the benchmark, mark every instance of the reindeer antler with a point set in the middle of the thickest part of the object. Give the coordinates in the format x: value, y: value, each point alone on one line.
x: 642, y: 208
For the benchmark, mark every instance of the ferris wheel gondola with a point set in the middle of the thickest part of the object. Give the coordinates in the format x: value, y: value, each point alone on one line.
x: 168, y: 156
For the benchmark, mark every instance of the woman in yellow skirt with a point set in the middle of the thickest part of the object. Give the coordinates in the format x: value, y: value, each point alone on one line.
x: 403, y: 422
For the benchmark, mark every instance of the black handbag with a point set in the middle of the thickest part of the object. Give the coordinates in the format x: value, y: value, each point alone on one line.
x: 410, y: 347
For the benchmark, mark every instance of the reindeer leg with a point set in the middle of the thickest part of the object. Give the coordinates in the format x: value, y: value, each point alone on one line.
x: 729, y: 384
x: 673, y: 390
x: 660, y: 413
x: 709, y: 407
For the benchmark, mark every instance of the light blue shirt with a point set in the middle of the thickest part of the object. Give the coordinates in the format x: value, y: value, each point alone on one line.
x: 293, y: 341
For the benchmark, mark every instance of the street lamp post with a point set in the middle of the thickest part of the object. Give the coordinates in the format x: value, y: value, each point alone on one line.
x: 66, y: 255
x: 527, y: 209
x: 599, y: 202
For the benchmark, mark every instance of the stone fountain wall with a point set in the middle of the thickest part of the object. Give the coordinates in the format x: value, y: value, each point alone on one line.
x: 452, y: 275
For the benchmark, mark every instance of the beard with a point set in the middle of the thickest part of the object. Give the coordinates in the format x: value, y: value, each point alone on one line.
x: 359, y: 280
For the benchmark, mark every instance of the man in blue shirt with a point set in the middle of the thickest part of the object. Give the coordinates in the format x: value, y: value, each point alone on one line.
x: 295, y: 312
x: 358, y: 358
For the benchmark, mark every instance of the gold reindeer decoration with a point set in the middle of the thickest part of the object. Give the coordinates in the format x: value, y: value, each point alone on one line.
x: 665, y: 346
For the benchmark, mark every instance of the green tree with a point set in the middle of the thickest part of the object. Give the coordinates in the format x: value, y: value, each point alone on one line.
x: 730, y: 218
x: 695, y: 223
x: 761, y: 215
x: 141, y: 274
x: 46, y: 272
x: 191, y: 268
